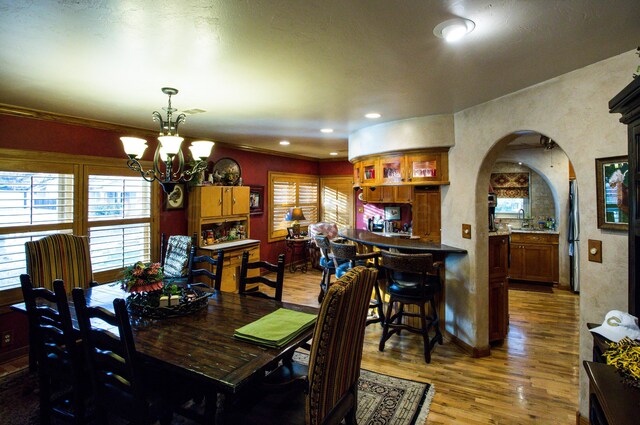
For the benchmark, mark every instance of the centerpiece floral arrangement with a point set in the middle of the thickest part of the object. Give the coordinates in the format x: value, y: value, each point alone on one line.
x: 142, y: 277
x: 152, y: 297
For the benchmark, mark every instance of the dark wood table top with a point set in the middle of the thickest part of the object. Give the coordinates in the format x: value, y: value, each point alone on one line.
x: 201, y: 345
x: 619, y: 402
x: 403, y: 244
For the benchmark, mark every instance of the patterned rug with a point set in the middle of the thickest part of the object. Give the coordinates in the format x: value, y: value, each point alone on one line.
x: 382, y: 399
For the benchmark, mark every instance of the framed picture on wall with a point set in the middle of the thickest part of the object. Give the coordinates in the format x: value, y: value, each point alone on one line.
x: 392, y: 213
x: 612, y: 191
x: 175, y: 200
x: 256, y: 200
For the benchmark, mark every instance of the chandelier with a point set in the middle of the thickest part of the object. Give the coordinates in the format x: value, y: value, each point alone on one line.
x: 165, y: 170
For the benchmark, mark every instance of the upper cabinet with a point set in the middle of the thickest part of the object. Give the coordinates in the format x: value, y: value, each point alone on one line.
x: 424, y: 167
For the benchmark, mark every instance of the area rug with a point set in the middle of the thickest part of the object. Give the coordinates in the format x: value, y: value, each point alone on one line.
x: 382, y: 399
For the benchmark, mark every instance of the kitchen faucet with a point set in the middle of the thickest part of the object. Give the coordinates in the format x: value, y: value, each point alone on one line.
x: 522, y: 222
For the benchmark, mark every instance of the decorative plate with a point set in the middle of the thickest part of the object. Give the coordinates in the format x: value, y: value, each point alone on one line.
x: 226, y: 171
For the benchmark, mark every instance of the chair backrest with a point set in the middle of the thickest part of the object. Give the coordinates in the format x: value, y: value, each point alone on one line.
x: 175, y: 261
x: 421, y: 266
x: 343, y: 251
x: 336, y: 350
x: 59, y: 256
x: 51, y: 330
x: 328, y: 229
x: 276, y: 283
x: 322, y: 242
x: 111, y: 354
x: 201, y: 265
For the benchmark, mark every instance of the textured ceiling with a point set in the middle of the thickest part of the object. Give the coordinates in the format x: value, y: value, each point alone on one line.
x: 270, y: 70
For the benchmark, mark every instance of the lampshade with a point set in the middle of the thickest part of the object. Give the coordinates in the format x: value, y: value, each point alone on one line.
x: 295, y: 214
x: 201, y: 149
x: 171, y: 144
x: 134, y: 146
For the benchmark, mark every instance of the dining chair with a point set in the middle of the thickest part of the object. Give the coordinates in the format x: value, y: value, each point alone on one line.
x: 412, y: 279
x: 59, y: 256
x: 202, y: 265
x: 174, y: 256
x: 276, y: 283
x: 346, y: 257
x: 119, y: 383
x: 63, y: 387
x: 322, y: 241
x: 326, y: 390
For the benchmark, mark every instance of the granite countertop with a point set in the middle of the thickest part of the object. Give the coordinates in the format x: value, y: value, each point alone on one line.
x: 548, y: 231
x: 404, y: 244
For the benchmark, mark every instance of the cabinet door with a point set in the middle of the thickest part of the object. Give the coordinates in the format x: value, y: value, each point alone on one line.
x: 423, y: 168
x: 538, y: 262
x: 498, y: 309
x: 498, y: 257
x: 391, y: 169
x: 371, y: 194
x: 387, y: 194
x: 403, y: 194
x: 516, y: 265
x: 210, y: 201
x: 240, y: 200
x: 426, y: 215
x: 357, y: 174
x: 369, y: 172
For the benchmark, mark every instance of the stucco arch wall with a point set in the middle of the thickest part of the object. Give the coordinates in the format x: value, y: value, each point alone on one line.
x: 572, y: 108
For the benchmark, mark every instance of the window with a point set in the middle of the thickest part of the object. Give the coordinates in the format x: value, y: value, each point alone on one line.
x: 512, y: 192
x: 336, y: 200
x: 511, y: 206
x: 126, y: 200
x: 56, y: 193
x: 291, y: 190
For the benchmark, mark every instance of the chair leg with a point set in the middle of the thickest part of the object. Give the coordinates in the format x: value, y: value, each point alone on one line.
x: 385, y: 326
x: 425, y: 333
x: 45, y: 398
x: 381, y: 315
x: 436, y: 322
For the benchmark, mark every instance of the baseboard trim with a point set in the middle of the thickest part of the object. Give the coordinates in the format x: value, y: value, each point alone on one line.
x: 474, y: 352
x: 10, y: 355
x: 581, y: 420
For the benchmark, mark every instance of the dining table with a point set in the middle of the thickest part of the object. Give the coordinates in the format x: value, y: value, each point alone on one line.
x: 201, y: 346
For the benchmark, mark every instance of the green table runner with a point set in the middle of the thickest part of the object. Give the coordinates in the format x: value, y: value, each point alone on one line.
x: 276, y: 329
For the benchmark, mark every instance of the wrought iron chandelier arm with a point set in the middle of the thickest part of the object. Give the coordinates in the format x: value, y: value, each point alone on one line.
x: 157, y: 117
x: 135, y: 165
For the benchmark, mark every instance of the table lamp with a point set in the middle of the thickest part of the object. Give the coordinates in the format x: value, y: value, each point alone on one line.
x: 294, y: 215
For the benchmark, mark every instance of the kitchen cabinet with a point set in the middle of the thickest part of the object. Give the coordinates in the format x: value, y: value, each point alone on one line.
x: 498, y: 287
x: 388, y: 194
x: 418, y: 167
x: 426, y: 214
x: 534, y: 257
x: 221, y: 210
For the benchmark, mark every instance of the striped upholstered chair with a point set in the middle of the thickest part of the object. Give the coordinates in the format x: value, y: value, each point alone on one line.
x: 326, y: 390
x: 60, y: 256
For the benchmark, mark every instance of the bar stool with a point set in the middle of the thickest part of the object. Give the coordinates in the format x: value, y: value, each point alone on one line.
x: 346, y: 257
x: 412, y: 279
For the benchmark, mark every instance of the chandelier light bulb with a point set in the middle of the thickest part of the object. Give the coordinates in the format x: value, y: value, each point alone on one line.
x: 134, y: 146
x: 201, y: 149
x: 171, y: 144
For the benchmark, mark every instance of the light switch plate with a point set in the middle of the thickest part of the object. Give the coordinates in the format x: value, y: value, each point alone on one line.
x: 595, y: 251
x: 466, y: 231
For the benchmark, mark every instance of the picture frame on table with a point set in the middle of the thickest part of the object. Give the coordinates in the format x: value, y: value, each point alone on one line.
x: 175, y: 199
x: 612, y: 192
x: 256, y: 200
x: 290, y: 233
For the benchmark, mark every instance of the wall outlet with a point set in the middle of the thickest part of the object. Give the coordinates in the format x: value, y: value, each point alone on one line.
x: 7, y: 338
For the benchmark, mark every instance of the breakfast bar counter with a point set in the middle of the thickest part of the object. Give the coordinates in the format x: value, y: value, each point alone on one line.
x: 403, y: 244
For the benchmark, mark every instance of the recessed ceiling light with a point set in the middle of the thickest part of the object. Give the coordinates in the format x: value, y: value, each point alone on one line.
x: 284, y: 142
x: 333, y: 153
x: 454, y: 29
x: 519, y: 163
x: 327, y: 130
x: 372, y: 115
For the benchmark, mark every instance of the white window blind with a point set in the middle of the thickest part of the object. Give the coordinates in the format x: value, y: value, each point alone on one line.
x: 287, y: 191
x: 119, y: 214
x: 337, y: 201
x: 35, y: 198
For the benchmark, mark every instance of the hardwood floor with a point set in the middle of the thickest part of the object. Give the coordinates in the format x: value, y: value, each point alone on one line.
x: 531, y: 379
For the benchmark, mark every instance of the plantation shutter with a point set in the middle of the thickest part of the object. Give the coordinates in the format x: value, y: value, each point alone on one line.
x: 287, y: 191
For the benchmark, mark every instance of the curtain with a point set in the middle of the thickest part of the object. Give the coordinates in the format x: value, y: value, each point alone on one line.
x: 510, y: 185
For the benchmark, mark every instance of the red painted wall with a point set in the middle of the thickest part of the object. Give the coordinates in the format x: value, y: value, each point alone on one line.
x: 49, y: 136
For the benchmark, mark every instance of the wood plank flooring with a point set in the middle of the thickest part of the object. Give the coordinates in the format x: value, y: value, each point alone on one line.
x: 531, y: 379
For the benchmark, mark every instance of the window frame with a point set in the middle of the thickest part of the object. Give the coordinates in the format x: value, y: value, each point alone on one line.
x: 78, y: 165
